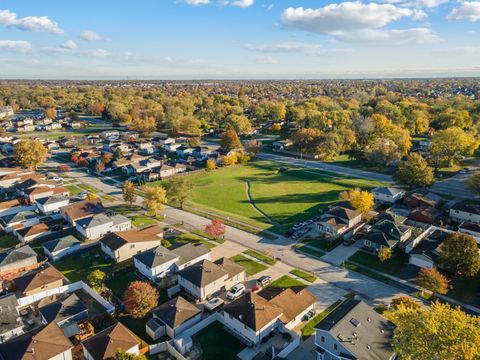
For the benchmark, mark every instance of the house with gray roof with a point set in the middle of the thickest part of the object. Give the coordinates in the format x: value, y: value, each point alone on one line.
x: 17, y: 260
x: 98, y: 225
x: 57, y: 248
x: 386, y: 234
x: 11, y: 324
x: 160, y: 262
x: 353, y: 330
x: 19, y: 220
x: 52, y: 204
x: 387, y: 194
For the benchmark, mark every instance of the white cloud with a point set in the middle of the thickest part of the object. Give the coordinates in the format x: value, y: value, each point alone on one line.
x: 296, y: 47
x: 92, y: 36
x: 99, y: 53
x: 29, y: 23
x: 468, y: 10
x: 196, y: 2
x: 462, y: 50
x: 15, y: 45
x: 430, y: 3
x: 240, y: 3
x: 69, y: 45
x: 265, y: 60
x: 392, y: 37
x: 346, y: 16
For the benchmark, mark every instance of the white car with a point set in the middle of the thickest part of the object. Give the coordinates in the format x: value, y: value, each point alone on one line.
x: 214, y: 304
x: 57, y: 178
x: 82, y: 195
x: 236, y: 291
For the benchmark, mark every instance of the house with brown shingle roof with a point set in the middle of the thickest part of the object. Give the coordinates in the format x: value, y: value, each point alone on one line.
x: 254, y: 316
x: 81, y: 210
x: 41, y: 280
x: 338, y: 220
x: 123, y: 245
x: 26, y: 234
x: 105, y: 344
x: 47, y: 343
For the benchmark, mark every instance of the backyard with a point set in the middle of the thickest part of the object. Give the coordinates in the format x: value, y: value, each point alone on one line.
x: 287, y: 197
x: 78, y: 267
x: 217, y: 343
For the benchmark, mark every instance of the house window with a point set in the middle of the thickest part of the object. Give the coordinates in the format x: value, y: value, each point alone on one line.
x: 335, y: 346
x: 368, y: 243
x: 132, y: 246
x: 322, y: 339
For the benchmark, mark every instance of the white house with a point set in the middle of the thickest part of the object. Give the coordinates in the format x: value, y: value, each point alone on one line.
x: 19, y: 220
x: 387, y: 195
x: 337, y: 220
x: 52, y: 204
x: 465, y: 211
x: 159, y: 262
x: 98, y: 225
x: 172, y: 318
x: 57, y: 248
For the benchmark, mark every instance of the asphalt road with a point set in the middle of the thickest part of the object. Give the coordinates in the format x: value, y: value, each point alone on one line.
x: 318, y: 165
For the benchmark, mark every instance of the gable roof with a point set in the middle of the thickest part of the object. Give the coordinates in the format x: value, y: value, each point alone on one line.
x: 8, y: 313
x: 104, y: 344
x: 203, y: 273
x: 83, y: 209
x: 54, y: 199
x: 468, y: 207
x: 63, y: 309
x: 33, y: 230
x: 387, y: 190
x: 156, y: 257
x: 117, y: 239
x: 16, y: 255
x: 176, y: 312
x: 60, y: 243
x: 360, y: 329
x: 343, y: 212
x: 43, y: 344
x: 230, y: 266
x: 386, y: 233
x: 37, y: 279
x: 190, y: 251
x: 19, y: 217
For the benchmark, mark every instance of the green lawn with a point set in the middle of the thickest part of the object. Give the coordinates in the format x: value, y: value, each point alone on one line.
x: 190, y: 238
x: 142, y: 221
x: 74, y: 189
x: 393, y: 266
x: 288, y: 197
x: 262, y: 257
x: 124, y: 209
x: 309, y: 328
x: 287, y: 281
x: 466, y: 289
x: 120, y: 282
x: 304, y: 275
x: 322, y: 244
x: 310, y: 251
x: 217, y: 343
x: 251, y: 266
x: 365, y: 272
x: 7, y: 241
x: 344, y: 160
x: 78, y: 267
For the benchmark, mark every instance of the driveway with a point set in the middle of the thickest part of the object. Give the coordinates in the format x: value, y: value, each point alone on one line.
x: 340, y: 254
x: 318, y: 165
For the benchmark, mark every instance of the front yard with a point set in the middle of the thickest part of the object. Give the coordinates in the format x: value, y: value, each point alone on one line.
x: 286, y: 281
x: 259, y: 256
x: 251, y: 266
x: 393, y: 266
x: 217, y: 343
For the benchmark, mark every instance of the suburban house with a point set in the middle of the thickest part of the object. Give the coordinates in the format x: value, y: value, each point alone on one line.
x: 66, y: 313
x: 39, y: 281
x: 104, y: 345
x: 17, y: 260
x: 123, y: 245
x: 97, y: 225
x: 10, y: 207
x: 338, y: 220
x: 159, y: 262
x: 465, y: 211
x: 421, y: 198
x: 206, y: 278
x: 32, y: 232
x: 172, y: 318
x: 386, y: 234
x: 427, y: 252
x: 387, y: 195
x: 282, y: 145
x: 52, y: 204
x: 471, y: 229
x: 172, y: 147
x: 46, y: 343
x: 425, y: 215
x: 353, y: 330
x: 253, y: 316
x: 19, y: 220
x: 37, y: 193
x: 57, y: 248
x: 11, y: 324
x: 81, y: 210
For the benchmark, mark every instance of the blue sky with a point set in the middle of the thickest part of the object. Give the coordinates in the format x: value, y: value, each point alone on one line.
x: 182, y: 39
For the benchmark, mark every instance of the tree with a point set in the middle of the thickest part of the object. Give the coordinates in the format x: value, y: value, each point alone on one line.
x: 230, y: 140
x: 405, y: 301
x: 431, y: 279
x: 82, y: 162
x: 211, y: 164
x: 50, y: 113
x: 459, y: 254
x: 238, y: 123
x: 30, y: 153
x: 179, y: 189
x: 473, y: 183
x: 63, y: 168
x: 144, y: 124
x: 216, y: 228
x: 155, y: 198
x: 96, y: 279
x: 139, y: 298
x: 414, y: 172
x: 383, y: 152
x: 166, y: 243
x: 121, y: 354
x: 437, y: 332
x: 91, y: 196
x: 230, y: 159
x: 451, y: 144
x: 253, y: 147
x: 384, y: 254
x: 360, y: 200
x: 128, y: 192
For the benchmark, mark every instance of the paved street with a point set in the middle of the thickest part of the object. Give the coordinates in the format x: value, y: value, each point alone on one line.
x: 318, y: 165
x: 454, y: 186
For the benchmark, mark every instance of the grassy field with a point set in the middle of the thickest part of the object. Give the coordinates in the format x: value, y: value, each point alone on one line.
x: 288, y: 197
x: 142, y: 221
x: 393, y: 266
x: 251, y: 266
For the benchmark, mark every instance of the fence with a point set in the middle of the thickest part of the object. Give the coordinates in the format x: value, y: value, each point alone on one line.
x: 165, y: 347
x: 290, y: 347
x: 173, y: 290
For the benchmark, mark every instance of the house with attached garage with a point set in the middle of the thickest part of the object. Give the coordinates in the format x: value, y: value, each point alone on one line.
x: 104, y: 345
x: 44, y: 343
x: 172, y: 318
x: 17, y: 260
x: 254, y: 316
x: 338, y: 220
x: 98, y: 225
x: 386, y: 234
x: 19, y: 220
x: 57, y: 248
x: 52, y: 204
x: 123, y: 245
x: 205, y: 279
x: 465, y: 211
x: 38, y: 281
x: 354, y: 331
x: 421, y: 198
x: 387, y: 195
x: 32, y: 232
x: 160, y: 262
x: 81, y: 210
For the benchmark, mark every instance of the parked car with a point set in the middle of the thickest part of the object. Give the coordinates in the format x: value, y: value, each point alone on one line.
x: 82, y: 195
x: 263, y: 280
x: 348, y: 242
x: 297, y: 226
x: 57, y: 178
x: 214, y: 304
x: 236, y: 291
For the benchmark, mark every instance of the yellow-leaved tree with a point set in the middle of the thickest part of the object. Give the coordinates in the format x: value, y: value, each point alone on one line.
x: 30, y: 153
x: 155, y: 199
x: 359, y: 199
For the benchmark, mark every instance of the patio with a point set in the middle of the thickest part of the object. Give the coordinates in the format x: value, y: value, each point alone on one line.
x: 273, y: 346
